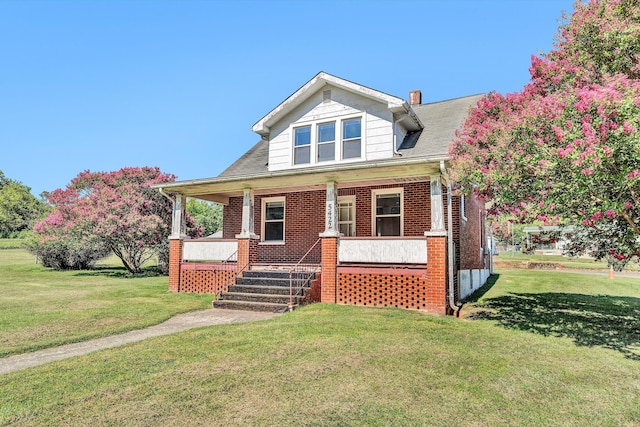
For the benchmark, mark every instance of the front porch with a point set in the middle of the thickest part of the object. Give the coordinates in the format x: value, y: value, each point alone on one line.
x: 371, y: 271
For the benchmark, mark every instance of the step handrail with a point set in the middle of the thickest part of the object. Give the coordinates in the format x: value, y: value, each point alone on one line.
x: 227, y: 265
x: 304, y: 275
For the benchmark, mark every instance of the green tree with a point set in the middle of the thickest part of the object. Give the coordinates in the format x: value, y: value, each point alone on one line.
x: 207, y: 215
x: 566, y: 149
x: 19, y: 209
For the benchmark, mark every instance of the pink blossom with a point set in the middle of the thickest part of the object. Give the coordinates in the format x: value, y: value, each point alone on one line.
x: 627, y: 205
x: 634, y: 174
x: 610, y: 213
x: 587, y: 171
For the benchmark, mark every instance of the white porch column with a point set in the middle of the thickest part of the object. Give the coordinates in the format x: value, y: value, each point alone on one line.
x: 178, y: 217
x: 437, y: 206
x: 331, y: 211
x: 248, y: 230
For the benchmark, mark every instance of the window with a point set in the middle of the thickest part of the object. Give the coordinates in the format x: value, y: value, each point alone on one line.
x: 387, y: 212
x: 347, y: 215
x: 326, y: 142
x: 302, y: 145
x: 351, y: 142
x: 463, y: 213
x: 273, y: 219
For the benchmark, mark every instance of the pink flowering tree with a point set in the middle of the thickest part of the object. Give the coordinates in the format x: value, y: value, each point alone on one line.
x: 566, y: 149
x: 117, y: 210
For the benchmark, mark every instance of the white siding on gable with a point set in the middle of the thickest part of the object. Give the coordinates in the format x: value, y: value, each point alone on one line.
x: 377, y: 127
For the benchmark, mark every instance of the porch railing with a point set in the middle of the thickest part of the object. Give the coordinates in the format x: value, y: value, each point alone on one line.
x: 301, y: 274
x: 386, y: 250
x: 209, y: 249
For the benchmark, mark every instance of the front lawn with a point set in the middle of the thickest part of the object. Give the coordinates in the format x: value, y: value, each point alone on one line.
x: 339, y: 365
x: 43, y: 308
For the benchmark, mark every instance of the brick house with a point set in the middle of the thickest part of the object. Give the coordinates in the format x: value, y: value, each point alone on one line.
x: 348, y: 186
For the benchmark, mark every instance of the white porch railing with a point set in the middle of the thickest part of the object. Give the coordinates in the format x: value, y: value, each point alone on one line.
x: 387, y: 250
x: 210, y: 250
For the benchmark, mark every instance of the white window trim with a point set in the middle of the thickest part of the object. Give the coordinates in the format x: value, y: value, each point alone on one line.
x: 462, y: 208
x: 311, y: 145
x: 348, y: 199
x: 380, y: 191
x: 338, y: 140
x: 318, y: 143
x: 263, y: 219
x: 342, y: 140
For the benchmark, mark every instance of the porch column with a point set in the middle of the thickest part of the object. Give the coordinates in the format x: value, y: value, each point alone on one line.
x: 247, y: 239
x: 330, y: 241
x: 331, y: 211
x: 247, y: 230
x: 178, y: 233
x: 436, y: 271
x: 437, y: 206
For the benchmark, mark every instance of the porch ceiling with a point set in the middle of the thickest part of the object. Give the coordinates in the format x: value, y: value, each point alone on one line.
x: 296, y: 180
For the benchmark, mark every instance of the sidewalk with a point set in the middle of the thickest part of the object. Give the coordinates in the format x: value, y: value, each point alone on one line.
x: 178, y: 323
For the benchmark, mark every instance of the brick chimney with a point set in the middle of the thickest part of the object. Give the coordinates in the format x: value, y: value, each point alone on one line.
x: 415, y: 97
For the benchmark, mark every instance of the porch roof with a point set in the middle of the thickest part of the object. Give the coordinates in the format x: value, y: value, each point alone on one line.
x: 219, y: 189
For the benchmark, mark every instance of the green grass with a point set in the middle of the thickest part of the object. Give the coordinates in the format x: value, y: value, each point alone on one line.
x: 11, y: 243
x: 338, y: 365
x: 566, y: 262
x: 43, y: 308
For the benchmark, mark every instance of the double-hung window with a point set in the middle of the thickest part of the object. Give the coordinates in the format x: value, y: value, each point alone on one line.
x: 302, y: 145
x: 347, y: 215
x: 351, y: 139
x: 326, y: 142
x: 273, y: 219
x: 387, y: 212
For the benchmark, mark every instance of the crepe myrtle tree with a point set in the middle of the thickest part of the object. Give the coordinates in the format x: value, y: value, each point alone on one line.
x: 566, y: 149
x: 116, y: 209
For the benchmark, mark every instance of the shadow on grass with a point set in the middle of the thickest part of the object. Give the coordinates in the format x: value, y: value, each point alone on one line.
x: 589, y: 320
x: 119, y: 272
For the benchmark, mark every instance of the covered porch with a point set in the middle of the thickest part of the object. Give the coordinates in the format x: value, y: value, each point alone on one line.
x: 392, y: 252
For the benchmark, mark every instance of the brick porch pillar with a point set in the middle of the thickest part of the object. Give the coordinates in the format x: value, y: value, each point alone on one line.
x: 175, y: 258
x: 329, y: 276
x: 436, y: 272
x: 247, y: 251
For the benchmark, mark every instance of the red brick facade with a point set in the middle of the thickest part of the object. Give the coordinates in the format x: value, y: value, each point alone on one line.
x: 206, y: 278
x: 175, y: 259
x: 422, y: 288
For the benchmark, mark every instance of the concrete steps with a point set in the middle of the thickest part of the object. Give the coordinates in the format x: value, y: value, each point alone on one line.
x: 260, y: 290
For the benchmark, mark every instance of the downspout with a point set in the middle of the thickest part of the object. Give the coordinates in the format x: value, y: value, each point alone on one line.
x: 165, y: 194
x: 450, y: 252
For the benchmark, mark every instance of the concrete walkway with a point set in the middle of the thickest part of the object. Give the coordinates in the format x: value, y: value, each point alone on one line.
x: 178, y: 323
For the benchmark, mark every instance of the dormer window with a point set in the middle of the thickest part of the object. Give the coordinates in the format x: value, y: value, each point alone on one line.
x: 302, y: 145
x: 351, y: 139
x: 326, y: 141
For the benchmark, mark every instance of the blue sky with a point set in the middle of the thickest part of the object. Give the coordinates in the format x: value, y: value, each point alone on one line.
x: 101, y: 85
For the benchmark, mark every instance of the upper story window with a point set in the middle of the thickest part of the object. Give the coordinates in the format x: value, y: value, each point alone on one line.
x: 351, y: 139
x: 326, y: 142
x: 302, y: 145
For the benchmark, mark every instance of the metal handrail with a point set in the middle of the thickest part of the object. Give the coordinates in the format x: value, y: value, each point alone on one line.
x: 228, y: 262
x: 303, y: 279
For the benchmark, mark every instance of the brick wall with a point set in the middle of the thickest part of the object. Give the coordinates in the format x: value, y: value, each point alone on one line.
x: 472, y: 236
x: 206, y: 278
x: 175, y: 258
x: 382, y: 287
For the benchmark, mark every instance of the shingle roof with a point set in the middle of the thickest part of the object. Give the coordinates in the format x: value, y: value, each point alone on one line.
x: 440, y: 119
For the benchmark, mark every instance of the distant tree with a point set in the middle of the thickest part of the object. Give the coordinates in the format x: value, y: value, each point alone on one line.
x: 205, y: 214
x: 19, y: 209
x: 116, y: 209
x: 567, y: 147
